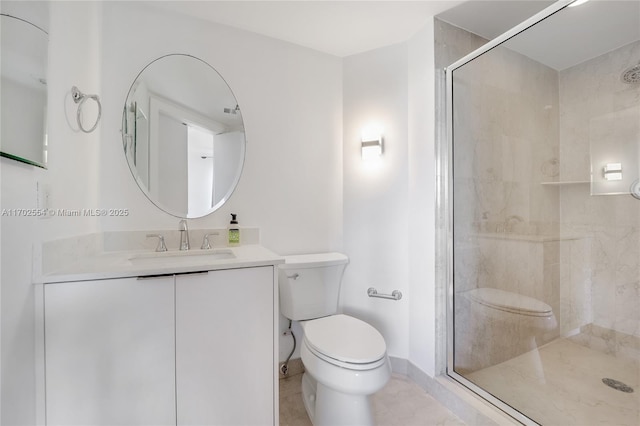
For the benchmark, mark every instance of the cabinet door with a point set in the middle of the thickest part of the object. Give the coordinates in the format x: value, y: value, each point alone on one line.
x: 224, y: 347
x: 110, y: 356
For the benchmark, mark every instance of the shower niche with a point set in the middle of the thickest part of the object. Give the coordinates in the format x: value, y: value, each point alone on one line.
x: 614, y: 139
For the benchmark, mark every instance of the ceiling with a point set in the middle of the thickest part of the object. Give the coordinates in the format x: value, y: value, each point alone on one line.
x: 490, y: 19
x: 344, y: 28
x: 577, y: 34
x: 568, y: 38
x: 340, y: 28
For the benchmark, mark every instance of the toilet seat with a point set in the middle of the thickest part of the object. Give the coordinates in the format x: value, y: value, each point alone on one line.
x: 345, y: 341
x: 510, y: 302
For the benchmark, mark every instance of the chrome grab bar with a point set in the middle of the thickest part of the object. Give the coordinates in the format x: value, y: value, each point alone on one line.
x: 395, y: 294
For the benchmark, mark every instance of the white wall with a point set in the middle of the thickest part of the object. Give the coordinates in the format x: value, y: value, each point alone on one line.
x: 73, y: 183
x: 426, y: 317
x: 73, y: 155
x: 291, y: 104
x: 389, y: 213
x: 376, y: 216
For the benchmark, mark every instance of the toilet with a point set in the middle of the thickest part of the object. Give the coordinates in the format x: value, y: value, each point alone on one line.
x: 502, y: 325
x: 345, y: 358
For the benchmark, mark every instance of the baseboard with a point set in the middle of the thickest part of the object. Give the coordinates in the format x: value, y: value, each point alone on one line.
x: 399, y: 365
x: 465, y: 404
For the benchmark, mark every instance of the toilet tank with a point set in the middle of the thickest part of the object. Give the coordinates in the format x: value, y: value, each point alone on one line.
x: 309, y: 285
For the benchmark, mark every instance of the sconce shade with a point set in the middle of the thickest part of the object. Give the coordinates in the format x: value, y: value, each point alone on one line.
x: 371, y: 148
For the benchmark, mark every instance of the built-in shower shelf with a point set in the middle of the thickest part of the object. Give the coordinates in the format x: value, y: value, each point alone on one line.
x: 565, y: 182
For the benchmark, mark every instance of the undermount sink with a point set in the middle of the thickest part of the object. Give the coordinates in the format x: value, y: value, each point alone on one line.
x: 191, y: 255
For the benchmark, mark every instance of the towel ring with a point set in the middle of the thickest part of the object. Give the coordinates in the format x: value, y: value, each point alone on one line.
x: 80, y: 99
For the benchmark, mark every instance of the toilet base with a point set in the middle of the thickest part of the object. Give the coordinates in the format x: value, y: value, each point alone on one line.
x: 328, y: 407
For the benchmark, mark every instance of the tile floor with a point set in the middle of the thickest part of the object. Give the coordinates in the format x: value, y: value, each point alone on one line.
x: 400, y: 403
x: 561, y: 384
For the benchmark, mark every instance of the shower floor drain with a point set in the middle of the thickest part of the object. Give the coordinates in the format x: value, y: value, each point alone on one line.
x: 617, y: 385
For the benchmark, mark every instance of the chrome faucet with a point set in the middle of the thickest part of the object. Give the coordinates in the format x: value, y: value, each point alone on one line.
x: 184, y: 235
x: 161, y: 245
x: 206, y: 244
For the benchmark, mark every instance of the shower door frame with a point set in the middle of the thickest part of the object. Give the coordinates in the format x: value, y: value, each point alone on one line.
x: 444, y: 202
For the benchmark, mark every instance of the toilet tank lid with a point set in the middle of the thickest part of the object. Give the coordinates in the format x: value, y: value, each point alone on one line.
x: 316, y: 260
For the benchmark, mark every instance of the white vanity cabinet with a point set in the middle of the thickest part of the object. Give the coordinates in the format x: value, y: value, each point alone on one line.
x: 185, y: 349
x: 225, y: 347
x: 109, y: 350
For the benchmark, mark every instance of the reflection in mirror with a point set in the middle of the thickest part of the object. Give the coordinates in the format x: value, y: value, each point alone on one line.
x: 183, y: 136
x: 24, y: 91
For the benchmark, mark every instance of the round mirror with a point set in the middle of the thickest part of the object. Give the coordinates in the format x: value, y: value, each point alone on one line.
x: 183, y: 136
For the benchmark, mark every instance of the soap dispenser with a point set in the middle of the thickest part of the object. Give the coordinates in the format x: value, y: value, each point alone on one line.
x: 234, y: 231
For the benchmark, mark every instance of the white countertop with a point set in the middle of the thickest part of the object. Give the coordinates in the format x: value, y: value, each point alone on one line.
x: 145, y: 263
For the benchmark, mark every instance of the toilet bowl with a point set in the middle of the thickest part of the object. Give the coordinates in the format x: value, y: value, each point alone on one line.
x: 345, y: 358
x: 345, y: 361
x: 499, y: 325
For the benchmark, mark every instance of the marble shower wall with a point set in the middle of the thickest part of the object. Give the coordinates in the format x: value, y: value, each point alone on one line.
x: 506, y: 223
x: 506, y: 136
x: 506, y: 144
x: 590, y: 93
x: 525, y: 219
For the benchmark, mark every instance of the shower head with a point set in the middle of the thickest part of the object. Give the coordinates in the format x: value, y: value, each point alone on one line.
x: 631, y: 75
x: 233, y: 111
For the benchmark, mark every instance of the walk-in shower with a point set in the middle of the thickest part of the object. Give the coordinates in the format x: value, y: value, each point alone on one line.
x: 543, y: 248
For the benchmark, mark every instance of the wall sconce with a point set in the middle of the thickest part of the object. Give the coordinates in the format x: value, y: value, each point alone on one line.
x: 371, y: 147
x: 613, y: 171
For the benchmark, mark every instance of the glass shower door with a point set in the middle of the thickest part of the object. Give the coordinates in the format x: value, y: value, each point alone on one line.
x: 545, y: 260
